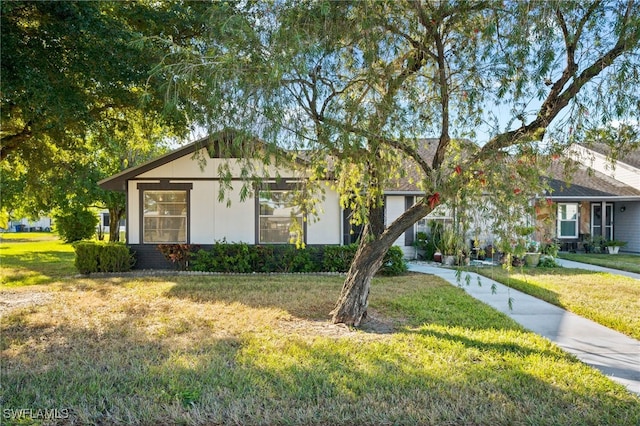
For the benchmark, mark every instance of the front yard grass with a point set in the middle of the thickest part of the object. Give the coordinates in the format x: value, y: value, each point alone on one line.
x: 610, y: 300
x: 621, y: 261
x: 259, y: 350
x: 29, y: 258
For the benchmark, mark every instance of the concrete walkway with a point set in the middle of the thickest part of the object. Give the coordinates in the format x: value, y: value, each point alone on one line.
x: 611, y: 352
x: 579, y: 265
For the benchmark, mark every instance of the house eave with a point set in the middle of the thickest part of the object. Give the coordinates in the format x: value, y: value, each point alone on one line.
x: 400, y: 192
x: 594, y: 198
x: 118, y: 182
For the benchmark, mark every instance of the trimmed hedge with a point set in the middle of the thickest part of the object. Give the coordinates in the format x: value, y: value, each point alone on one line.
x: 98, y: 256
x: 244, y: 258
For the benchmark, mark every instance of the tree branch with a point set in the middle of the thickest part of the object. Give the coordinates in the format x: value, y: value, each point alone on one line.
x: 10, y: 143
x: 557, y: 98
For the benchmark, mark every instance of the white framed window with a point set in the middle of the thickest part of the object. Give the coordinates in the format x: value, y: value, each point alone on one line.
x: 278, y: 211
x: 568, y: 220
x: 440, y: 215
x: 165, y: 216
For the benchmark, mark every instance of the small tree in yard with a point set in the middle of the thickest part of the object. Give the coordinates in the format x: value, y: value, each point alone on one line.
x: 75, y: 223
x: 356, y: 87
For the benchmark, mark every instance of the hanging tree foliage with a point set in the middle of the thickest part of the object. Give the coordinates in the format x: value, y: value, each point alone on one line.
x: 77, y: 103
x: 358, y: 86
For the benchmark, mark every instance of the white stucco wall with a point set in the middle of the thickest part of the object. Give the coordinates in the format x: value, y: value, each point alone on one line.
x: 327, y: 229
x: 394, y: 207
x: 133, y: 213
x: 235, y: 223
x: 199, y: 166
x: 213, y: 220
x: 203, y: 217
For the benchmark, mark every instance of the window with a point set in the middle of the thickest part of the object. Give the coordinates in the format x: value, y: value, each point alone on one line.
x: 165, y: 217
x: 440, y: 215
x: 567, y: 220
x: 278, y: 212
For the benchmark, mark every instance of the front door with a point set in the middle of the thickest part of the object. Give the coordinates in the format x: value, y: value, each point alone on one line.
x: 596, y: 220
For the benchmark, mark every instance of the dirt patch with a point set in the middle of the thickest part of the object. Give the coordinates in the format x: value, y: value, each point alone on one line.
x: 373, y: 326
x: 14, y: 300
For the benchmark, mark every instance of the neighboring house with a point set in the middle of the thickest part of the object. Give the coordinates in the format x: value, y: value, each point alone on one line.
x: 104, y: 224
x: 174, y: 199
x: 601, y: 199
x: 28, y: 225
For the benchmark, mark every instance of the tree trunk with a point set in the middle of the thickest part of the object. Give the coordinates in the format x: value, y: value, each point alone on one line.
x: 115, y: 214
x: 351, y: 307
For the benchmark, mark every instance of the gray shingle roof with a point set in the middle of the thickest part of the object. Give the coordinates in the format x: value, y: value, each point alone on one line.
x: 586, y: 183
x: 632, y: 158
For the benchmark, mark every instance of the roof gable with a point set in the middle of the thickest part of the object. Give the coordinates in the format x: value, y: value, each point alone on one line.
x: 586, y: 183
x: 219, y: 145
x: 631, y: 158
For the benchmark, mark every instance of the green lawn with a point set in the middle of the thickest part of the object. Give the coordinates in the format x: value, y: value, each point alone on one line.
x: 624, y: 262
x: 28, y: 258
x: 611, y: 300
x: 258, y: 349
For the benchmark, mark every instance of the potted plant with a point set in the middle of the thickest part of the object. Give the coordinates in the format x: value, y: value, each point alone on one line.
x: 449, y: 247
x: 597, y: 244
x: 614, y: 245
x: 532, y: 256
x: 421, y: 244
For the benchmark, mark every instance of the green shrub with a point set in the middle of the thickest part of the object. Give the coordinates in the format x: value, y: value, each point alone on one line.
x: 223, y: 257
x: 394, y: 263
x: 548, y: 262
x: 243, y: 258
x: 93, y: 256
x: 114, y: 257
x: 263, y: 258
x: 87, y: 253
x: 550, y: 249
x: 291, y: 259
x: 75, y: 225
x: 338, y: 258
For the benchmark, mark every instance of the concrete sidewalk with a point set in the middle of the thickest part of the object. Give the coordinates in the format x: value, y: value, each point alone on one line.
x: 611, y: 352
x: 579, y: 265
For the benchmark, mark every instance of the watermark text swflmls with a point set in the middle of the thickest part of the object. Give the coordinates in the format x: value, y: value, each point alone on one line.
x: 36, y: 413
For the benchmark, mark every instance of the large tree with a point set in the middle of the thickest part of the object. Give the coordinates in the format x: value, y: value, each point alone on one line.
x: 65, y: 64
x: 77, y: 96
x: 359, y: 85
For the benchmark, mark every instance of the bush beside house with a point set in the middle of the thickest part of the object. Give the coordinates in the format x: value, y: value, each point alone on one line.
x: 97, y: 256
x: 244, y: 258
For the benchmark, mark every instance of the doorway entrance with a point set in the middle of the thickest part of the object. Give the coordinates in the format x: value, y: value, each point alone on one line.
x: 596, y: 220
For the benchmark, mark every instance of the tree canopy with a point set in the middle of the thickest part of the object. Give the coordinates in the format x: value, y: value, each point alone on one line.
x: 358, y: 86
x: 75, y: 78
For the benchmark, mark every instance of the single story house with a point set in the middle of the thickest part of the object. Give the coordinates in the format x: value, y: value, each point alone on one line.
x: 601, y: 200
x: 43, y: 223
x: 174, y: 199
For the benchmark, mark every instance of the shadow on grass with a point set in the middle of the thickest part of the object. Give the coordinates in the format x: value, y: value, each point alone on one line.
x: 119, y: 374
x: 527, y: 286
x: 35, y: 268
x: 35, y: 261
